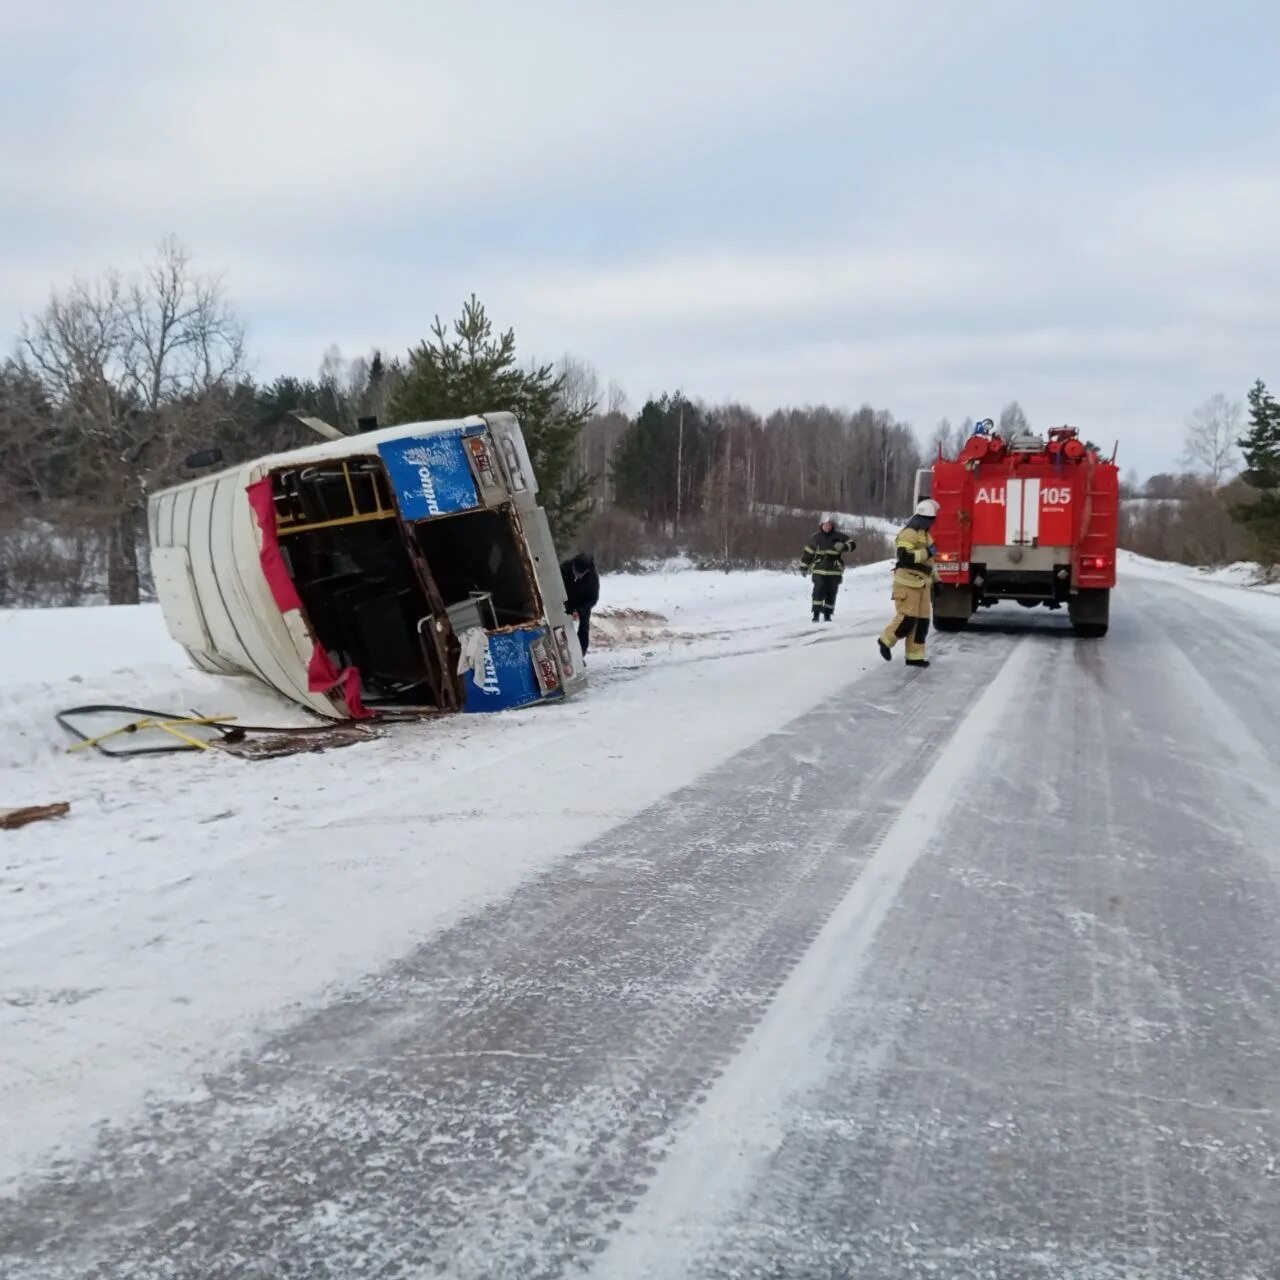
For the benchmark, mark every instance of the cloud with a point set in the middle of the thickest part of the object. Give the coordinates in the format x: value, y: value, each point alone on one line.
x: 726, y: 286
x: 1212, y: 219
x: 312, y: 113
x: 932, y: 207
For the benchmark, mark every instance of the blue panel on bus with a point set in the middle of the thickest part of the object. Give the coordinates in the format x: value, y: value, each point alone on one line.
x: 430, y: 475
x: 508, y: 678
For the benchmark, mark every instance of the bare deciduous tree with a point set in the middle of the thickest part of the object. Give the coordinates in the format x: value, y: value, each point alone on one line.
x: 579, y: 384
x: 945, y: 440
x: 1013, y: 422
x: 349, y: 390
x: 1193, y: 527
x: 1210, y: 442
x: 133, y: 373
x: 181, y: 337
x: 580, y: 394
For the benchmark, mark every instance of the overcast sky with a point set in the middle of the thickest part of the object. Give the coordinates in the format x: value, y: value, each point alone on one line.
x: 934, y: 207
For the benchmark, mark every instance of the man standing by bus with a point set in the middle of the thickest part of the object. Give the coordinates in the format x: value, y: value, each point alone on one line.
x: 912, y: 587
x: 581, y: 592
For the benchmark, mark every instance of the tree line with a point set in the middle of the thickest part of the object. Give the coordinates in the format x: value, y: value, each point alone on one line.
x: 117, y: 385
x: 1225, y: 506
x: 117, y: 382
x: 730, y: 486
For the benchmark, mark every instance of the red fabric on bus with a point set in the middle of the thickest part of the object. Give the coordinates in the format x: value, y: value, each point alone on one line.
x: 323, y: 676
x: 274, y: 569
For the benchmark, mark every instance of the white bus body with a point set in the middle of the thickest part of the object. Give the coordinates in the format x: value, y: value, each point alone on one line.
x: 399, y: 570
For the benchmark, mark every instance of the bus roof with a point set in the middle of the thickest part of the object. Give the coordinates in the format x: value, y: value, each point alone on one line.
x: 363, y: 444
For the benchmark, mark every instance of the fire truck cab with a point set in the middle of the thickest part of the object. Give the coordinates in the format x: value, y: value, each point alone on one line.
x: 1031, y: 520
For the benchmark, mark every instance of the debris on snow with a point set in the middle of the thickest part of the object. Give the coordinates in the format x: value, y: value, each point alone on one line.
x: 12, y: 819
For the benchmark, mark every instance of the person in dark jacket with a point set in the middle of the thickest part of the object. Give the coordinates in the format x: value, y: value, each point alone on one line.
x: 823, y: 559
x: 581, y: 593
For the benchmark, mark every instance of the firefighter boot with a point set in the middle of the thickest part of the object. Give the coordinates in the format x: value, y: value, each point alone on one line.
x: 901, y: 628
x: 915, y: 642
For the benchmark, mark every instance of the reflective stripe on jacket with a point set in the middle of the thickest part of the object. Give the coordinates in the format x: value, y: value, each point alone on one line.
x: 822, y: 556
x: 914, y: 563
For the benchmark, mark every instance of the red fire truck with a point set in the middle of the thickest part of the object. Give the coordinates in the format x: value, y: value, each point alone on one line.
x: 1026, y: 519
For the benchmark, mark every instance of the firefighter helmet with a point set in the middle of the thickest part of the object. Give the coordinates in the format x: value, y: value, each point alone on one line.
x: 927, y: 507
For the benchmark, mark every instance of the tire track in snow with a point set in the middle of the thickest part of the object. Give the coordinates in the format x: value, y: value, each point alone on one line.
x: 702, y: 649
x: 1060, y: 1058
x: 496, y: 1103
x: 786, y: 1050
x: 1237, y: 710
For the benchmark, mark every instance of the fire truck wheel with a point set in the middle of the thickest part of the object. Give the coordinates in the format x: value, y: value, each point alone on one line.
x: 952, y: 607
x: 1090, y: 612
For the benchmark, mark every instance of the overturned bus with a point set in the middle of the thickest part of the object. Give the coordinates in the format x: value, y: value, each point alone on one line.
x: 401, y: 570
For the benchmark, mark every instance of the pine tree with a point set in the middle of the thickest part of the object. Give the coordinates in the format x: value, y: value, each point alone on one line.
x: 1261, y: 449
x: 644, y: 463
x: 474, y: 371
x: 662, y: 463
x: 1261, y: 444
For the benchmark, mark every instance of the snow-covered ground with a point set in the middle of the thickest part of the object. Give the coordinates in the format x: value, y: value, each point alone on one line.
x: 1241, y: 574
x: 189, y: 903
x: 846, y: 520
x: 1242, y: 585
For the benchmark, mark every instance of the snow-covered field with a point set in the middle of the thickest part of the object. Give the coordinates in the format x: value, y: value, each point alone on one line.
x: 846, y: 520
x: 1242, y: 585
x: 1242, y: 574
x: 189, y: 903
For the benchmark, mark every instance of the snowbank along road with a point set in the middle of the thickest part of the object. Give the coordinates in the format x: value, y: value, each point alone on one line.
x: 799, y: 965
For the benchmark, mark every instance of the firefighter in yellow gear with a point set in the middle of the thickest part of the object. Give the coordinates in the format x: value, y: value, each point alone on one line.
x: 913, y: 578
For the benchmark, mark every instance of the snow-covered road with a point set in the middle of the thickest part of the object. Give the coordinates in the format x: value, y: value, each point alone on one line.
x: 763, y: 959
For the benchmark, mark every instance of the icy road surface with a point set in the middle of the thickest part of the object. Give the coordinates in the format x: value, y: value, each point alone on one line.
x: 973, y: 972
